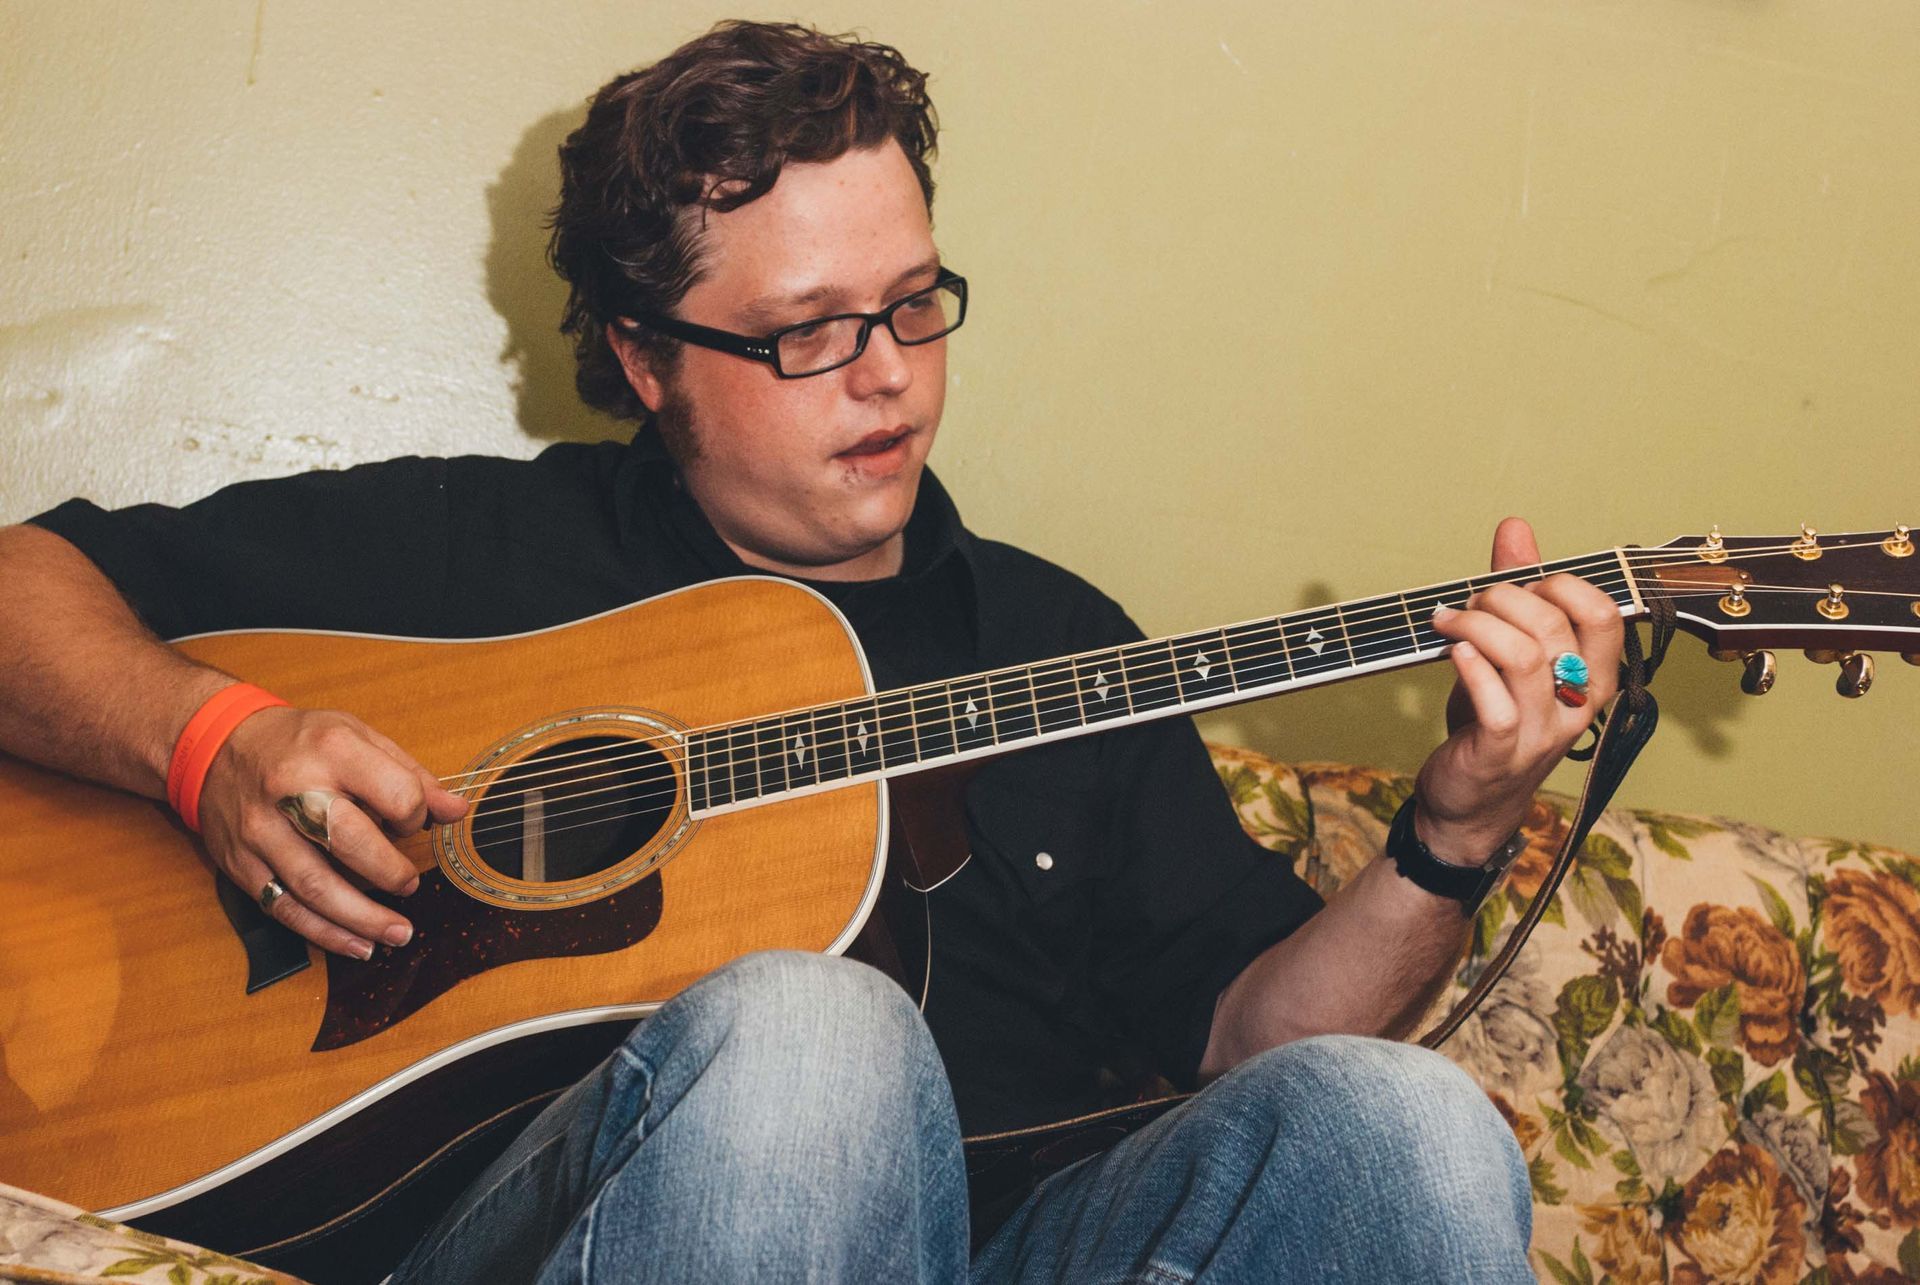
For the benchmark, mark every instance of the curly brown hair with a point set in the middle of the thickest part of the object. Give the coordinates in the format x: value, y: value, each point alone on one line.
x: 708, y: 127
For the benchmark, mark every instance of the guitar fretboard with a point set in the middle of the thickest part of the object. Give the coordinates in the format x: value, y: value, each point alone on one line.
x: 911, y: 728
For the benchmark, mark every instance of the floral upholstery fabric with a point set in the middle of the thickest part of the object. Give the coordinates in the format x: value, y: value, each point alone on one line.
x: 1709, y: 1050
x: 50, y: 1243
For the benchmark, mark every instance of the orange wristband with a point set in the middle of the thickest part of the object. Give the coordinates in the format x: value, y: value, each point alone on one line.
x: 202, y: 738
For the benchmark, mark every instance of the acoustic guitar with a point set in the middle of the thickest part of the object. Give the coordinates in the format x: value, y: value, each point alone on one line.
x: 655, y: 791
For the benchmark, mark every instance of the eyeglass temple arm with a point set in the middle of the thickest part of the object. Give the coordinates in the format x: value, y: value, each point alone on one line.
x: 707, y: 336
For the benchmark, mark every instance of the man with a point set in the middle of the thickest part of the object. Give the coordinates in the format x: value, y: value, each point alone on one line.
x: 793, y: 1115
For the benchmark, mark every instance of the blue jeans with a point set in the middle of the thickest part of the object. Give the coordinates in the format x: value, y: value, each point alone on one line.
x: 788, y: 1118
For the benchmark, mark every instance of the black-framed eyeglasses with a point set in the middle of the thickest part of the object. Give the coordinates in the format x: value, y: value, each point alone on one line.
x: 827, y: 343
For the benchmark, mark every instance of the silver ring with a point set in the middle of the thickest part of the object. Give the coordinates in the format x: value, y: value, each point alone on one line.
x: 270, y: 893
x: 308, y: 812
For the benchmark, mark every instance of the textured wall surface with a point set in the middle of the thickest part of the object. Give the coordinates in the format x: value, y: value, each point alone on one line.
x: 1274, y: 304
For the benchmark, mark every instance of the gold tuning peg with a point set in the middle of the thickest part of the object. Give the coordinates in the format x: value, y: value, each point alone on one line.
x: 1735, y: 603
x: 1757, y: 678
x: 1899, y: 544
x: 1856, y: 674
x: 1726, y: 653
x: 1822, y: 656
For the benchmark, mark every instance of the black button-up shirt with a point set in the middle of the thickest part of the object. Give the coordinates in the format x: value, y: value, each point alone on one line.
x: 1111, y: 894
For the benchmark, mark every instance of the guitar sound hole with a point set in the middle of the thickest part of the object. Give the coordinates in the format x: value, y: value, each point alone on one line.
x: 573, y: 809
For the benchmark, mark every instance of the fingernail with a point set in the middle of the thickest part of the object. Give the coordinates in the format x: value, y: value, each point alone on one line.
x: 413, y: 886
x: 399, y: 935
x: 1466, y: 649
x: 1444, y: 612
x: 362, y: 949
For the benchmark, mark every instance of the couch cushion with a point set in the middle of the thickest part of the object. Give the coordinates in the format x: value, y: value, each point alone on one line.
x: 1710, y: 1048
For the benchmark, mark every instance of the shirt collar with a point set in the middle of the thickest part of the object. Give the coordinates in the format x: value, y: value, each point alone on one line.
x: 934, y: 533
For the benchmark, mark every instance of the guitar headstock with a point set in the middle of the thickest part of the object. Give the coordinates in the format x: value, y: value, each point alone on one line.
x: 1838, y: 597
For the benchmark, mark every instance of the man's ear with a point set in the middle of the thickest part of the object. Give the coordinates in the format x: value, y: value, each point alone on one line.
x: 638, y: 365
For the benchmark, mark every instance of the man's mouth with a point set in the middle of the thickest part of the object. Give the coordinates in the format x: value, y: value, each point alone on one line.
x: 877, y: 443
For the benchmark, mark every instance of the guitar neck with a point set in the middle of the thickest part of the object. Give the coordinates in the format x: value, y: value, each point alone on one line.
x: 975, y: 716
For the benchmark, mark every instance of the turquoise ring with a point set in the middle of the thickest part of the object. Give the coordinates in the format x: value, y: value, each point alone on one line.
x: 1570, y: 678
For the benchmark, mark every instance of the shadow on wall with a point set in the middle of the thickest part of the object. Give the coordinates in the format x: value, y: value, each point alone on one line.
x: 1390, y: 720
x: 529, y: 295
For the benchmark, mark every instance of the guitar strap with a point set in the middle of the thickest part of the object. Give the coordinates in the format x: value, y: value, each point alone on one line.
x: 1623, y: 732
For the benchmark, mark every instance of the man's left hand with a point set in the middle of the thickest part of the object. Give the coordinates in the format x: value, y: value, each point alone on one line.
x: 1508, y: 727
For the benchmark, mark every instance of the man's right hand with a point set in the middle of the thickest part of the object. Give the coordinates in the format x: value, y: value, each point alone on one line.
x: 383, y: 793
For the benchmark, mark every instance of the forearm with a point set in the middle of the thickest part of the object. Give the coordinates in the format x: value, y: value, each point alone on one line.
x: 1373, y: 959
x: 1370, y: 963
x: 84, y: 687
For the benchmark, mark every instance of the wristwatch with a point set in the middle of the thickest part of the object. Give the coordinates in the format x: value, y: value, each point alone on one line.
x: 1468, y: 885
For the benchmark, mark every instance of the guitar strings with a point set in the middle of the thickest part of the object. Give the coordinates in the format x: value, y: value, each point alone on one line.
x: 1711, y: 586
x: 986, y: 676
x: 1642, y: 557
x: 623, y: 799
x: 1378, y: 610
x: 1151, y: 691
x: 1375, y: 610
x: 989, y: 674
x: 1398, y: 624
x: 1147, y: 692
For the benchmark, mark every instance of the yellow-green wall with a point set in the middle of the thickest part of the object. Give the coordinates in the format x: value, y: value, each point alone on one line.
x: 1274, y: 303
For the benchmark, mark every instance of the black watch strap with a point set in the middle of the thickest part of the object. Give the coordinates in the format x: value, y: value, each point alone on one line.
x: 1468, y: 885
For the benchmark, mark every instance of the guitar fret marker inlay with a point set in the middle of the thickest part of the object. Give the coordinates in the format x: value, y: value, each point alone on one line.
x: 1201, y: 665
x: 972, y: 711
x: 1099, y: 683
x: 800, y: 750
x: 860, y: 735
x: 1316, y: 641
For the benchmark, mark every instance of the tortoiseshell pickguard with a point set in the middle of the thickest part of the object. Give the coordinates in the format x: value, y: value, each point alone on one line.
x: 456, y: 937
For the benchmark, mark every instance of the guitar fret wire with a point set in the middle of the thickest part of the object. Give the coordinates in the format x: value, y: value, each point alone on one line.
x: 1413, y: 628
x: 1079, y: 701
x: 1345, y: 633
x: 1226, y: 654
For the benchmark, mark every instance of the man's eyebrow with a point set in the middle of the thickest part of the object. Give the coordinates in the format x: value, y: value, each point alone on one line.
x: 768, y: 309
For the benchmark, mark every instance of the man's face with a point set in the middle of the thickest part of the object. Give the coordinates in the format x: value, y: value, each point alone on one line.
x: 813, y: 476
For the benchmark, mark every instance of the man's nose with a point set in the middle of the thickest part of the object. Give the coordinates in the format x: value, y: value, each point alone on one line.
x: 882, y: 370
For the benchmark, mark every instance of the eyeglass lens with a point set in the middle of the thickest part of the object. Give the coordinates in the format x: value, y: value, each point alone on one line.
x: 917, y: 319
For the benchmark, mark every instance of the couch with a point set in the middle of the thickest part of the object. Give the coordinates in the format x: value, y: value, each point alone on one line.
x: 1709, y: 1052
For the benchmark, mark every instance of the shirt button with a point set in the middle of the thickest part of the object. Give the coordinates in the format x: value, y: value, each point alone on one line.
x: 1044, y: 860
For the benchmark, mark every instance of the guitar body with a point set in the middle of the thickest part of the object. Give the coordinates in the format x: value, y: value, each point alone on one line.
x: 139, y: 1072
